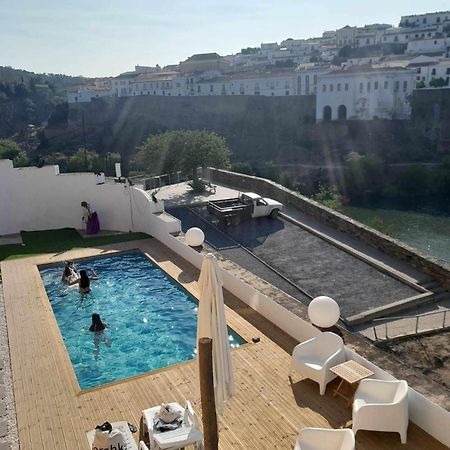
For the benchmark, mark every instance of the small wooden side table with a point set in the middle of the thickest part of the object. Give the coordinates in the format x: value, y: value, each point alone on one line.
x: 352, y: 373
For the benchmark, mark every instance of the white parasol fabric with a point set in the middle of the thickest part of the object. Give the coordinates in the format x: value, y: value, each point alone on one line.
x: 212, y: 324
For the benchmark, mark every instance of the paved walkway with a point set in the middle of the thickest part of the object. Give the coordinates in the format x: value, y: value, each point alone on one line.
x: 435, y: 316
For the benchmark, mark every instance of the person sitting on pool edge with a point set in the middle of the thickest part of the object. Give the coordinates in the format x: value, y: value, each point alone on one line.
x: 85, y: 282
x: 97, y: 324
x: 70, y: 274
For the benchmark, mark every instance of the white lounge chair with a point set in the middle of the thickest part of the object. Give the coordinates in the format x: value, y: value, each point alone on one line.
x: 381, y: 406
x: 187, y: 434
x: 314, y: 358
x: 123, y: 427
x: 324, y: 439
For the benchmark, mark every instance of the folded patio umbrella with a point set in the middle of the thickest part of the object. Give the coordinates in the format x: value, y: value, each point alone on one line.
x: 212, y: 324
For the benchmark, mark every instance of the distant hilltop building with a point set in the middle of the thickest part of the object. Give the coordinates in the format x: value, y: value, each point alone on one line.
x: 436, y: 18
x: 364, y: 93
x: 203, y: 62
x: 357, y: 73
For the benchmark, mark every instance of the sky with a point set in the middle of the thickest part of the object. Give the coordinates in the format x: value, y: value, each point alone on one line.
x: 107, y: 37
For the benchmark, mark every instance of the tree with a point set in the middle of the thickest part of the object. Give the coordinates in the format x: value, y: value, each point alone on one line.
x: 413, y: 182
x: 57, y: 158
x: 242, y: 167
x: 438, y: 82
x: 84, y: 161
x: 9, y: 149
x: 377, y: 223
x: 441, y: 179
x: 329, y: 197
x: 183, y: 150
x: 363, y: 174
x: 21, y: 160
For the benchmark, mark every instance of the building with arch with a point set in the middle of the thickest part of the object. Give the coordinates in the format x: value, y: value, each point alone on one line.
x: 365, y: 93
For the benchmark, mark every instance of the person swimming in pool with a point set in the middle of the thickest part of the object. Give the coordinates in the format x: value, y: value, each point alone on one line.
x: 84, y: 281
x: 97, y: 324
x: 70, y: 274
x: 98, y: 327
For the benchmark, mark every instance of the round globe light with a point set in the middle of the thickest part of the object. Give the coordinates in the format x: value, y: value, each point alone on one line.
x: 194, y: 237
x: 323, y: 312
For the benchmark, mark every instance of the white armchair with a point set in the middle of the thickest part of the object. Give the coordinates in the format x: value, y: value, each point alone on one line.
x: 324, y: 439
x: 381, y: 406
x: 314, y: 358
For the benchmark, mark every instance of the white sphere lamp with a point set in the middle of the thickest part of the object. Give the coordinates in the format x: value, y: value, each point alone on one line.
x: 324, y: 312
x: 194, y: 237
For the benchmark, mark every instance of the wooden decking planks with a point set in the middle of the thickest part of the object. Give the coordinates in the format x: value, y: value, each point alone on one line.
x: 266, y: 412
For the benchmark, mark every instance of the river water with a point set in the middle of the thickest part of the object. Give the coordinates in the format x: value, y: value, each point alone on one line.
x: 428, y: 232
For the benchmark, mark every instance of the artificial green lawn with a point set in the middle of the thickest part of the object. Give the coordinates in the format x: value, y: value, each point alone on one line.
x: 53, y: 241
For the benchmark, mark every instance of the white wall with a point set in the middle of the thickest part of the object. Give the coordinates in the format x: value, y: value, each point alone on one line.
x: 421, y: 46
x: 86, y: 95
x: 41, y: 199
x: 143, y: 211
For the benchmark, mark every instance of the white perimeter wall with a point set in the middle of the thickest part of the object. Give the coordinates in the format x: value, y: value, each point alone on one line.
x: 41, y: 199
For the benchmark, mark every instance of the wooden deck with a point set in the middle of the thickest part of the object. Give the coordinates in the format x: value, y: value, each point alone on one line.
x: 266, y: 412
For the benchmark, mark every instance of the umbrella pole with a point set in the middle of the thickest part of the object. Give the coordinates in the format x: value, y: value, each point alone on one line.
x: 209, y: 417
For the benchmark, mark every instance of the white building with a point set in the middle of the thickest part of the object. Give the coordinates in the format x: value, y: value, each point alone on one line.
x: 329, y: 37
x: 430, y: 68
x: 403, y: 35
x: 158, y: 83
x: 364, y: 93
x: 275, y: 83
x: 426, y: 46
x: 85, y: 93
x: 436, y: 18
x: 345, y: 36
x: 370, y: 34
x: 308, y: 78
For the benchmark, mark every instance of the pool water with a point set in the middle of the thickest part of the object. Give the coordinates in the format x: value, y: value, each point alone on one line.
x: 152, y: 321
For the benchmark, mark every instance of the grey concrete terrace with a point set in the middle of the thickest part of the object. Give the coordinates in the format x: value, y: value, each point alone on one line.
x: 315, y: 265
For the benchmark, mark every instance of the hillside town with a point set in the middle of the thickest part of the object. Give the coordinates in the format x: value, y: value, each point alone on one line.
x: 358, y: 73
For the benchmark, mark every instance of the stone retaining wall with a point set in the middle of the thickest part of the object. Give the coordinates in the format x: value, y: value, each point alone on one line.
x: 391, y: 247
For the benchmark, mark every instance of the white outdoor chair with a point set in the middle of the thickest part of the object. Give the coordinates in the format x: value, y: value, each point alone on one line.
x: 325, y: 439
x: 188, y: 434
x: 314, y: 358
x: 123, y: 427
x: 381, y: 406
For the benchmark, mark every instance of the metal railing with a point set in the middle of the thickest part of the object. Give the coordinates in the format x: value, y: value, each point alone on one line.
x: 415, y: 329
x: 167, y: 179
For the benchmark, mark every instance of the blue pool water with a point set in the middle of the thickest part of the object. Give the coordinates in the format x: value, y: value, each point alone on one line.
x: 152, y: 321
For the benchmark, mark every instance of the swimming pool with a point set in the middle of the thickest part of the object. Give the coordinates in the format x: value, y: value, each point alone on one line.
x: 152, y: 320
